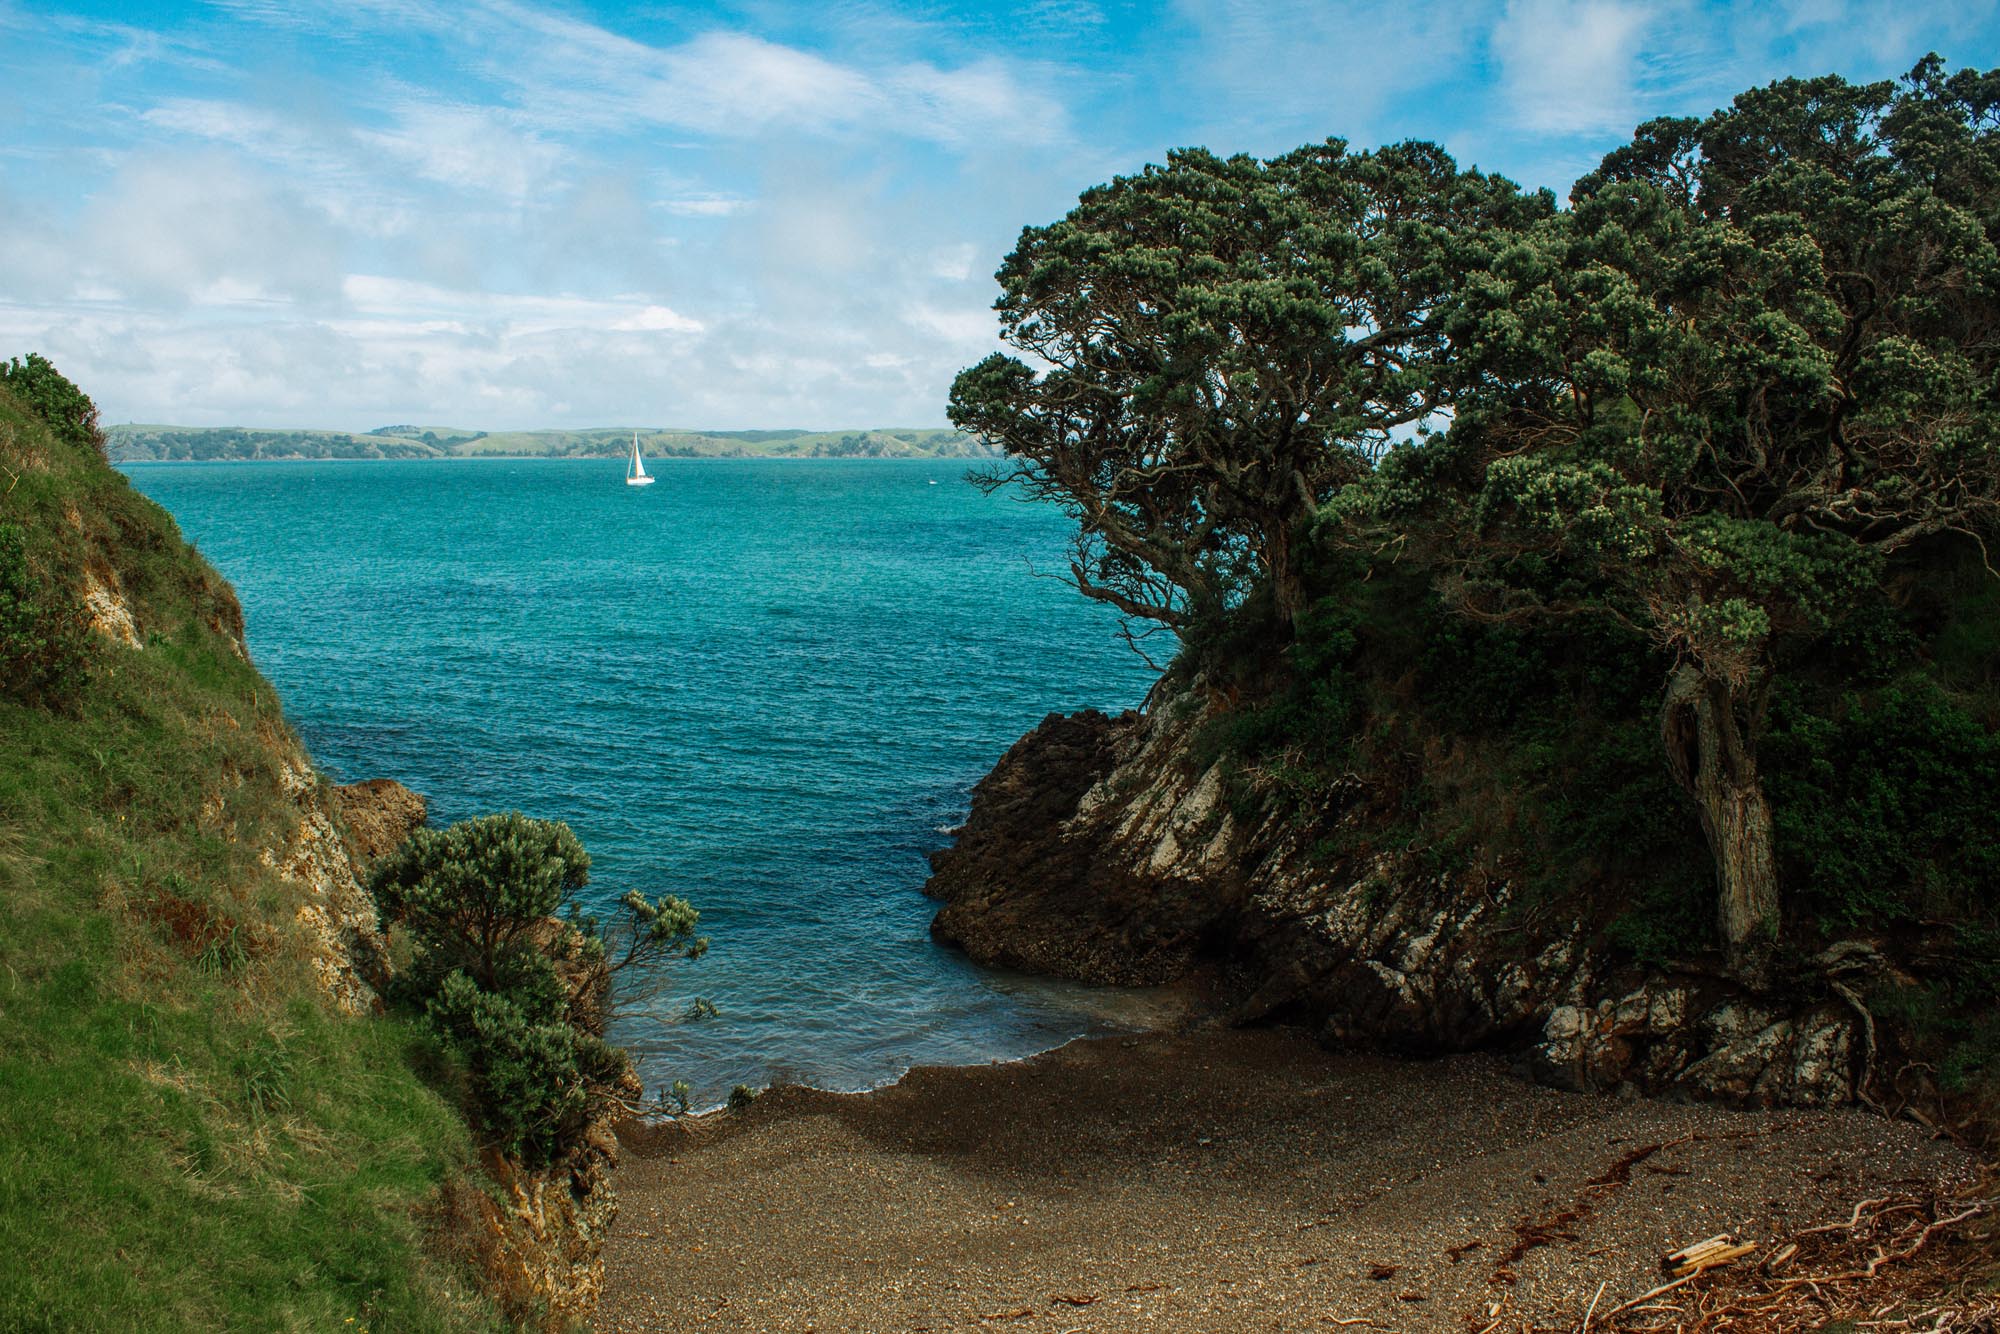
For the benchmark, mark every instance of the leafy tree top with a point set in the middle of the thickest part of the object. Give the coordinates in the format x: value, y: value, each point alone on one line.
x: 1215, y: 345
x: 1755, y: 366
x: 1757, y: 355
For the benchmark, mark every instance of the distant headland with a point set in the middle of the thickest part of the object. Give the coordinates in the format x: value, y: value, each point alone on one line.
x: 139, y: 443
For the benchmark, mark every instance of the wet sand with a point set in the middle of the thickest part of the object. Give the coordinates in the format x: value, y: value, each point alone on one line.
x: 1214, y: 1180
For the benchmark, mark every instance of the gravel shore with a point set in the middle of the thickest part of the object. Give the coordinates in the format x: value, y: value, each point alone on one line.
x: 1215, y: 1180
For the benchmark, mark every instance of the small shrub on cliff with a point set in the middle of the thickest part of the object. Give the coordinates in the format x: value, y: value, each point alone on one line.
x: 534, y: 1079
x: 519, y: 995
x: 473, y: 895
x: 44, y: 639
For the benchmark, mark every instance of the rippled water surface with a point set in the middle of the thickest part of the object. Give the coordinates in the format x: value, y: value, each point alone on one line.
x: 765, y: 684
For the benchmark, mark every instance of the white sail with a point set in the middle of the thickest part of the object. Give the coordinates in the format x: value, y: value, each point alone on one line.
x: 635, y: 471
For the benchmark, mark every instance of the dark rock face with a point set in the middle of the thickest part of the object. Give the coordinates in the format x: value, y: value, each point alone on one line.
x: 1020, y: 895
x: 1097, y: 850
x: 378, y: 815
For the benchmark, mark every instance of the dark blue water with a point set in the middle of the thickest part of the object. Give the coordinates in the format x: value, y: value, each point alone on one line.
x: 767, y: 685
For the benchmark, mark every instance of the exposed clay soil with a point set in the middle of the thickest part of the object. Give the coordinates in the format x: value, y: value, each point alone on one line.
x: 1214, y: 1181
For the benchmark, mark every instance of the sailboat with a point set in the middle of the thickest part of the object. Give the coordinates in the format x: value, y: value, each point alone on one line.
x: 635, y: 471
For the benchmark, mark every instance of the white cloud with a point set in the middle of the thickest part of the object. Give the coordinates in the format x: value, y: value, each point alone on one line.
x: 200, y: 229
x: 280, y: 140
x: 1825, y: 35
x: 733, y: 84
x: 1270, y: 74
x: 968, y: 326
x: 705, y: 205
x: 470, y: 148
x: 35, y: 264
x: 1571, y: 66
x: 365, y: 251
x: 345, y: 177
x: 369, y: 175
x: 568, y: 75
x: 508, y: 315
x: 959, y: 106
x: 656, y: 319
x: 954, y: 263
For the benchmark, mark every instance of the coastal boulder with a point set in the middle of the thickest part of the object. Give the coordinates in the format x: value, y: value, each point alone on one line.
x: 1090, y: 855
x: 378, y: 814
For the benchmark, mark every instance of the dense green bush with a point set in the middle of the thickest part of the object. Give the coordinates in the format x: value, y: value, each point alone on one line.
x: 535, y: 1077
x: 474, y: 897
x: 1887, y: 805
x: 45, y: 649
x: 44, y: 391
x: 519, y: 994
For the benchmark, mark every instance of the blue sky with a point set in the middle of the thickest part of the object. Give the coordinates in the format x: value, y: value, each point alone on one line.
x: 517, y: 213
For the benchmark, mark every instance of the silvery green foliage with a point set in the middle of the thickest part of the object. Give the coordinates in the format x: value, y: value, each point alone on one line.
x: 470, y: 896
x: 518, y: 993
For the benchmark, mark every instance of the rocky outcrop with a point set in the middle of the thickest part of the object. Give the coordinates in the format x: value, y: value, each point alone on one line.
x: 537, y: 1235
x: 334, y: 912
x: 1097, y: 909
x: 1099, y: 849
x: 104, y: 604
x: 1665, y: 1037
x: 378, y: 814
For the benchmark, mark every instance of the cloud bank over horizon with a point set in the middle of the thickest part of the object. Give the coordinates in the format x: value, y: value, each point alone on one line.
x: 511, y: 214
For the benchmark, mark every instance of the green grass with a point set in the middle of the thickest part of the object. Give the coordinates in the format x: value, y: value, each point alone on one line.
x: 190, y: 1136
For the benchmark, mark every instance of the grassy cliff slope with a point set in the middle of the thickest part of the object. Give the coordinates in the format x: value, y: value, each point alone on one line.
x: 195, y: 1131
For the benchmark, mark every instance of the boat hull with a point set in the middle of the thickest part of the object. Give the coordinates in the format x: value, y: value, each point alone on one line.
x: 638, y: 481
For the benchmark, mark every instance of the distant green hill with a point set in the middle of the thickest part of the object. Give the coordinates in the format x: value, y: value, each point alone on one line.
x: 141, y: 443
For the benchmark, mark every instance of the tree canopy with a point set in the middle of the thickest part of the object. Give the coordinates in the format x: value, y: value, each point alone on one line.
x: 1223, y: 343
x: 50, y: 395
x: 1752, y: 368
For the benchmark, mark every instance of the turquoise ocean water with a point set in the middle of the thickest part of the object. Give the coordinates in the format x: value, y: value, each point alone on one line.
x: 767, y: 685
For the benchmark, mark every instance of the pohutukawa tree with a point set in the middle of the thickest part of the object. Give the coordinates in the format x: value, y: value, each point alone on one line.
x: 1752, y: 373
x: 1215, y: 346
x: 1755, y: 370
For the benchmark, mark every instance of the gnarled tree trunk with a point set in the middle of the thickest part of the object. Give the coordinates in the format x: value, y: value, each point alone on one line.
x: 1287, y: 588
x: 1711, y: 747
